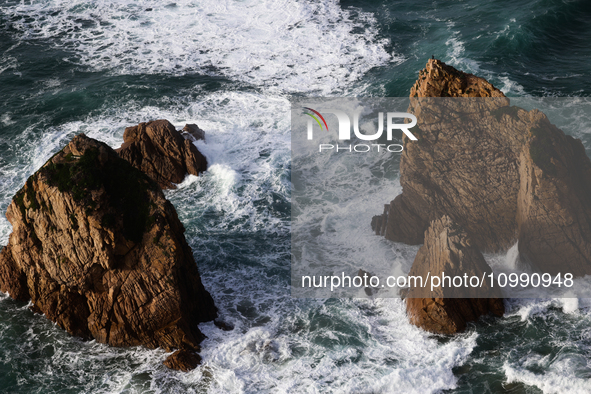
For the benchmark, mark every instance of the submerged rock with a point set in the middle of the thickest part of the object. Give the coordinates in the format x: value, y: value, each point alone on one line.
x: 160, y: 151
x: 448, y: 249
x: 183, y: 360
x: 501, y: 172
x: 100, y: 251
x: 366, y: 276
x: 222, y: 325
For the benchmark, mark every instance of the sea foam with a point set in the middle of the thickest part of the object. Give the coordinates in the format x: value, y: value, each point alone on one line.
x: 288, y: 45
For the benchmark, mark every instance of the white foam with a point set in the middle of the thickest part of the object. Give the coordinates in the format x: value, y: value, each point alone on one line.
x: 346, y: 243
x: 528, y: 309
x: 558, y: 378
x: 247, y: 149
x: 512, y: 257
x: 532, y: 309
x: 390, y: 355
x: 570, y: 305
x: 510, y: 87
x: 314, y: 46
x: 456, y: 48
x: 224, y: 177
x: 6, y: 119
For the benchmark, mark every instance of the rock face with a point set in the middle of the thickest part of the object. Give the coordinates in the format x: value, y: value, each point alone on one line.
x: 160, y: 151
x: 98, y: 249
x: 440, y: 80
x: 554, y: 203
x: 448, y: 249
x: 502, y: 173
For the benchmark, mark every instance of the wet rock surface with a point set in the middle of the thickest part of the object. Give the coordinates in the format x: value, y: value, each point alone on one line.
x: 98, y: 249
x: 160, y: 151
x: 449, y: 250
x: 503, y: 173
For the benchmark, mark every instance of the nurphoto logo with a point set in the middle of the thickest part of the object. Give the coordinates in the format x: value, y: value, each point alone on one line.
x: 345, y: 130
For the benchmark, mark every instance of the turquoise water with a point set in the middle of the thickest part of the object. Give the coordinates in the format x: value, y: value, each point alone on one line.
x: 230, y: 66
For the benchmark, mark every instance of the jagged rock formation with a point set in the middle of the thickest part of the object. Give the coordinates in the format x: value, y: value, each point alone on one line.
x: 501, y: 172
x: 440, y: 80
x: 160, y: 151
x: 100, y: 251
x: 448, y: 249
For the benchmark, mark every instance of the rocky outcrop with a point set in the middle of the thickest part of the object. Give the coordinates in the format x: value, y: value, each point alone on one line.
x: 501, y: 172
x: 448, y: 249
x: 160, y: 151
x: 100, y: 251
x: 440, y: 80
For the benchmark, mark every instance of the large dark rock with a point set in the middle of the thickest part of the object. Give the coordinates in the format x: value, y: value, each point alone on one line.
x: 501, y: 172
x: 160, y: 151
x: 100, y: 251
x: 446, y: 310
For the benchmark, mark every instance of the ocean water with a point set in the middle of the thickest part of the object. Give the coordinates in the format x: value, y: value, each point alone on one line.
x: 68, y: 67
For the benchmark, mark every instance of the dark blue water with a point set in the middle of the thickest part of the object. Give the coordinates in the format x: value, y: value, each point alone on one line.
x: 230, y: 67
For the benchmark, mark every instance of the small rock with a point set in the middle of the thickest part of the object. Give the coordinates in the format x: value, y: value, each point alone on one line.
x: 157, y: 149
x: 183, y: 360
x: 192, y: 131
x: 222, y: 325
x: 368, y: 290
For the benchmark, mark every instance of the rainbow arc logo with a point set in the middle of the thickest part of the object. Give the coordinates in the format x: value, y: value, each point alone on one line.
x: 315, y: 118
